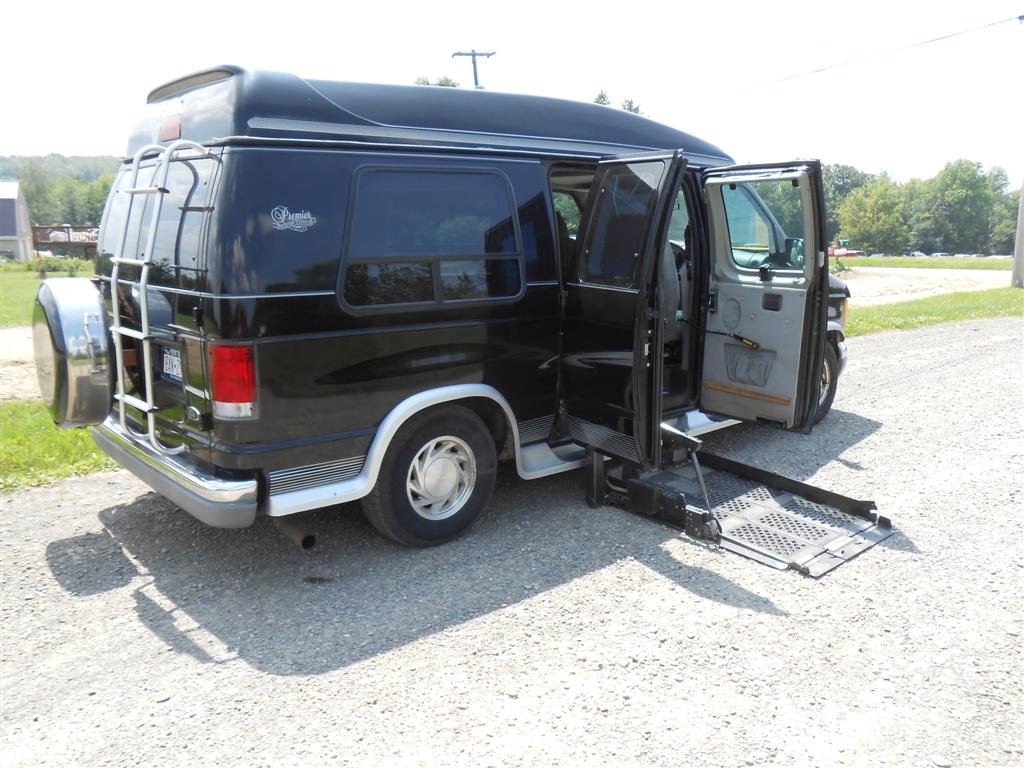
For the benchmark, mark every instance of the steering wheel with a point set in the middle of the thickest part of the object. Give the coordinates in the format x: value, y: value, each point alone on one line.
x: 778, y: 260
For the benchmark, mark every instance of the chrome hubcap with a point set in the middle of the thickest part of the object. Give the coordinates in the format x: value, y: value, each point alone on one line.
x: 441, y: 478
x: 826, y: 380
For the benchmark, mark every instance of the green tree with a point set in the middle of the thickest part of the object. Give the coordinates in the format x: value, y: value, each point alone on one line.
x: 85, y: 167
x: 1004, y: 223
x: 783, y: 200
x: 961, y: 202
x: 602, y: 98
x: 919, y: 211
x: 444, y: 82
x: 839, y: 181
x: 630, y: 106
x: 569, y: 211
x: 871, y: 217
x: 63, y: 190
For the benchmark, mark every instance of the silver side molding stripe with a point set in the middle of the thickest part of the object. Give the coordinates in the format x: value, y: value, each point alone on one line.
x: 528, y: 467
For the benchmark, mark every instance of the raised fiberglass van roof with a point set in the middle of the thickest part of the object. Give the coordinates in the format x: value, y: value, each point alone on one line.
x: 232, y: 104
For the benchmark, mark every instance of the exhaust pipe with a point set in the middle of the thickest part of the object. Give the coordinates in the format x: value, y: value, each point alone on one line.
x: 295, y: 531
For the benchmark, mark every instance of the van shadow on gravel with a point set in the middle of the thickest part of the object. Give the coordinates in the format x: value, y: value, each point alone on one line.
x: 288, y: 611
x: 791, y: 454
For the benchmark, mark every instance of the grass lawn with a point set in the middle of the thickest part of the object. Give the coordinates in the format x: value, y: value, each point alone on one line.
x: 17, y: 294
x: 34, y: 451
x: 946, y: 308
x: 925, y: 263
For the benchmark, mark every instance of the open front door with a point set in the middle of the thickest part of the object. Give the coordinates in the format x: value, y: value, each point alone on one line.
x: 765, y: 330
x: 609, y: 330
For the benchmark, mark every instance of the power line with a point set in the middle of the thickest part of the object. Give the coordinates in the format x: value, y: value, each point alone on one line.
x: 881, y: 53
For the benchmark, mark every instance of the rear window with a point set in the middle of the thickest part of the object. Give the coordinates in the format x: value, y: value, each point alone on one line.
x: 431, y: 237
x: 180, y: 227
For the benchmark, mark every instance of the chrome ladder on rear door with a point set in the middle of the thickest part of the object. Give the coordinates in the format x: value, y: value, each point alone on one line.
x: 158, y: 188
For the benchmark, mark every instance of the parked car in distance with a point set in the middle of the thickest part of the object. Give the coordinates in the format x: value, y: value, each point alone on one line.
x: 877, y: 255
x: 941, y: 254
x: 916, y: 254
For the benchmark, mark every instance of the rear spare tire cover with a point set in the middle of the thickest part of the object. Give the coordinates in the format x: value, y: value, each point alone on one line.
x: 72, y: 351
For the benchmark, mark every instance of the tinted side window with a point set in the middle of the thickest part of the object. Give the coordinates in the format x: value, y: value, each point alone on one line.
x: 620, y: 216
x: 407, y: 213
x: 431, y: 236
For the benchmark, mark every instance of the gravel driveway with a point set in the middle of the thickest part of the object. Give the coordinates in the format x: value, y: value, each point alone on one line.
x: 552, y: 634
x: 884, y: 285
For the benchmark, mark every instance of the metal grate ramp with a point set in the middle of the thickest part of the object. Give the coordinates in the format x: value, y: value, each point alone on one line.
x: 779, y: 526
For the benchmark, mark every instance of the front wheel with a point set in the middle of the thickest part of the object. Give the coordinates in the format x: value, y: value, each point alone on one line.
x: 829, y: 383
x: 436, y: 478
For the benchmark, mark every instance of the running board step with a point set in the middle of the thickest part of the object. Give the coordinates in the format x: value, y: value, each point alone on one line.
x: 772, y: 519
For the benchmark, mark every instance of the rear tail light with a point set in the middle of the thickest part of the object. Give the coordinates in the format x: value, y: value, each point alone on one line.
x: 233, y: 381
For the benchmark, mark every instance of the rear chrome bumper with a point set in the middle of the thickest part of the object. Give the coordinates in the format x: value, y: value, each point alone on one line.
x: 216, y: 501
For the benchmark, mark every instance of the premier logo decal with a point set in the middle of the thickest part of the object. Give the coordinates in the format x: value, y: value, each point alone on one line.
x: 282, y: 218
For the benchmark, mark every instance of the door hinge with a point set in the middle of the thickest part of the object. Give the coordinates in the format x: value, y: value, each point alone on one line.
x: 713, y: 300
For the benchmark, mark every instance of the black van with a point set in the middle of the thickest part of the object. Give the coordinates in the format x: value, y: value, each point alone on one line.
x: 314, y: 292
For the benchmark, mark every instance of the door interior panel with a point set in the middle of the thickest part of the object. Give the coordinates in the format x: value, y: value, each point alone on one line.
x: 760, y: 325
x: 765, y: 378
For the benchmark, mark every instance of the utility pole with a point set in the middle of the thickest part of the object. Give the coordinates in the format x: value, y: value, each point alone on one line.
x: 1017, y: 277
x: 474, y: 54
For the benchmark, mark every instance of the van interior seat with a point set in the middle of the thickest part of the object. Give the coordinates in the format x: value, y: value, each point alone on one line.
x: 565, y: 243
x: 670, y: 295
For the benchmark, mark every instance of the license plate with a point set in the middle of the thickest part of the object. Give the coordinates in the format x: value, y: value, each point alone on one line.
x: 172, y: 363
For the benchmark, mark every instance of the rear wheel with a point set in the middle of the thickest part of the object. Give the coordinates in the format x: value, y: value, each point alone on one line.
x: 829, y: 383
x: 436, y: 478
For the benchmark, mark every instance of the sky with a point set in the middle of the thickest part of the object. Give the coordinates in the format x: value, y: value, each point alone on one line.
x: 77, y: 75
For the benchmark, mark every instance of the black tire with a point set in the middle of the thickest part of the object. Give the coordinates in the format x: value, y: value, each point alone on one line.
x: 390, y: 507
x: 827, y: 391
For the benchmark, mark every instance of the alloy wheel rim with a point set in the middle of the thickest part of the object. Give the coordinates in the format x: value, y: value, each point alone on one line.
x: 441, y: 478
x: 826, y: 381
